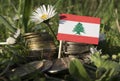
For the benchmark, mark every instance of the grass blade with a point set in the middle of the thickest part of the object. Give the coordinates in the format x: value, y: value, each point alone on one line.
x: 7, y: 24
x: 27, y: 13
x: 77, y: 70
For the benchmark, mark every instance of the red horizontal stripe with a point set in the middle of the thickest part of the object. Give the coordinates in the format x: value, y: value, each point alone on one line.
x: 77, y: 18
x: 76, y: 38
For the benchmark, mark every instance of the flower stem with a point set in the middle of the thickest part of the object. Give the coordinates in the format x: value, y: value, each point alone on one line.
x: 49, y: 26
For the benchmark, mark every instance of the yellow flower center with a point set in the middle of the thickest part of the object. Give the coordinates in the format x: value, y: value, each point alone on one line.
x: 44, y: 16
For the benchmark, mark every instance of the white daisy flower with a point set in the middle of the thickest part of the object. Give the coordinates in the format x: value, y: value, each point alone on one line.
x: 9, y: 40
x: 43, y: 13
x: 17, y: 33
x: 94, y: 50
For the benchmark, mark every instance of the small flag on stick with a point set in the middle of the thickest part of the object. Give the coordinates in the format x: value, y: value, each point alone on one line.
x: 82, y: 29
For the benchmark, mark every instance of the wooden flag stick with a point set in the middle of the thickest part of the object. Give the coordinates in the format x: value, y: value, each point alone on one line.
x: 60, y: 49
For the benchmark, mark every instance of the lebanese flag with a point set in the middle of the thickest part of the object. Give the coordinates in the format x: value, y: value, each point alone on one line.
x: 82, y: 29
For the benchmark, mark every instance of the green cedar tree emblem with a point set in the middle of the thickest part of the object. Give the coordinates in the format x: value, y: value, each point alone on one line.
x: 78, y: 29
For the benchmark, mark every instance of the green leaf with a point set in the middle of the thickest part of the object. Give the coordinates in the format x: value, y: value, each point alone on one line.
x: 96, y: 59
x: 7, y: 24
x: 77, y: 70
x: 106, y: 69
x: 99, y: 62
x: 105, y: 76
x: 27, y: 13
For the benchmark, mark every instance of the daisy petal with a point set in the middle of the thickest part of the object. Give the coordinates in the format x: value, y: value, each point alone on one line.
x: 3, y: 43
x: 10, y: 40
x: 43, y: 13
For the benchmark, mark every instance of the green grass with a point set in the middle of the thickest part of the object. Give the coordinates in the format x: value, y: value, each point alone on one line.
x: 107, y: 10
